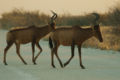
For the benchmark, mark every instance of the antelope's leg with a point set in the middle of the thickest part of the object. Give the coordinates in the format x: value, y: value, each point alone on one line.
x: 18, y: 52
x: 80, y: 58
x: 33, y: 51
x: 5, y: 52
x: 39, y: 47
x: 52, y: 58
x: 56, y: 48
x: 72, y: 54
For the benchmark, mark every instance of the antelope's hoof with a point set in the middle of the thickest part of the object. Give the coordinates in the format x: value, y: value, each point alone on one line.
x: 25, y: 63
x: 65, y: 64
x: 53, y: 66
x: 5, y: 64
x: 35, y: 63
x: 82, y: 67
x: 62, y: 66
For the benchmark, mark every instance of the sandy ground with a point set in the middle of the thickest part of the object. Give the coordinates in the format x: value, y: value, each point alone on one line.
x: 100, y: 64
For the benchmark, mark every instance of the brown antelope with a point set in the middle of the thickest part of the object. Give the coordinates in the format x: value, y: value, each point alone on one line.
x: 31, y: 34
x: 71, y: 37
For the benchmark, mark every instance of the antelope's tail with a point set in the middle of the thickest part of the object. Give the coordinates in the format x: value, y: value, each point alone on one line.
x: 50, y: 43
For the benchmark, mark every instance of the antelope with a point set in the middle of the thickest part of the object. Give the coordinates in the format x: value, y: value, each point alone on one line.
x: 71, y: 37
x: 31, y: 34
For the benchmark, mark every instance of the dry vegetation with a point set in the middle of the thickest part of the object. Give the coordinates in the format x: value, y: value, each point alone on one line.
x: 20, y: 17
x: 111, y: 40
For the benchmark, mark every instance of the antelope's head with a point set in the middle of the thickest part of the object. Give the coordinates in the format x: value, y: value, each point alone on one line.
x: 52, y: 21
x: 96, y: 28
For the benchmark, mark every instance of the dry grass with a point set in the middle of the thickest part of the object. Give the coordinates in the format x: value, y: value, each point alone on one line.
x: 111, y: 39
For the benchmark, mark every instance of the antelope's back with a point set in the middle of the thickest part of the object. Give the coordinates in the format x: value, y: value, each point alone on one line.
x: 64, y: 36
x: 23, y: 35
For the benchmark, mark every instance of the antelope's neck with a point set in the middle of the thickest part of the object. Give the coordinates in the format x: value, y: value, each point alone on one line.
x: 43, y: 31
x: 88, y: 33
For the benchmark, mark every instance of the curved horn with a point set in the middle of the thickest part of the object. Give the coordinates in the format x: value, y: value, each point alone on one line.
x: 54, y: 16
x: 97, y: 17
